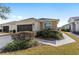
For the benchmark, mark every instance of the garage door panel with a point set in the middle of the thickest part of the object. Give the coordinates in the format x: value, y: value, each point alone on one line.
x: 5, y: 28
x: 24, y: 27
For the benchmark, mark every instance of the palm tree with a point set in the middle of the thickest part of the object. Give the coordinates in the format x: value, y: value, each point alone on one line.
x: 4, y: 11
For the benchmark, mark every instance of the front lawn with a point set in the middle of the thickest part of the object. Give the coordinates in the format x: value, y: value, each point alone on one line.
x: 68, y: 49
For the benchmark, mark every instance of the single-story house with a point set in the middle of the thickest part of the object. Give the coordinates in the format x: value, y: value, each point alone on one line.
x: 30, y: 24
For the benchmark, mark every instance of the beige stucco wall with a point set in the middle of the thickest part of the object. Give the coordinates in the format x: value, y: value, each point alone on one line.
x: 13, y: 25
x: 53, y: 24
x: 36, y: 24
x: 41, y: 25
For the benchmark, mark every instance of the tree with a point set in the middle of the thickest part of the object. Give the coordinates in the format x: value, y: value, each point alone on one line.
x: 4, y: 11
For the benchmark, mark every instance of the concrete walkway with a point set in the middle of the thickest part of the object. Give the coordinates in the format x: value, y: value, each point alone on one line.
x: 56, y: 43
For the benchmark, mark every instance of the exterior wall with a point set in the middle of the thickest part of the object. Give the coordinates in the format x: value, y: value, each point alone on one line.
x: 77, y: 26
x: 41, y: 25
x: 0, y: 26
x: 74, y: 26
x: 12, y: 26
x: 74, y: 22
x: 54, y: 25
x: 24, y: 22
x: 66, y: 27
x: 37, y: 25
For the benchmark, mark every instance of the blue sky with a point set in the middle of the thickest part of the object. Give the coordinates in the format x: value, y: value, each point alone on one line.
x: 60, y: 11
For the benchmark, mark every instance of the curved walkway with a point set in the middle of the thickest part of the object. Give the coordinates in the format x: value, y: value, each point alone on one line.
x: 56, y: 43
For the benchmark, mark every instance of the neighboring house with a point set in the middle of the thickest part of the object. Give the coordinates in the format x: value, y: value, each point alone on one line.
x: 73, y: 24
x: 66, y: 27
x: 30, y: 24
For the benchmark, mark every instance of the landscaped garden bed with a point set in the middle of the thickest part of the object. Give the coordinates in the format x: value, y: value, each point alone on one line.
x: 68, y: 49
x: 50, y: 34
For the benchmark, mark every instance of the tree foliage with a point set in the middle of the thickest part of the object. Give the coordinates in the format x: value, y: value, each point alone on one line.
x: 4, y: 11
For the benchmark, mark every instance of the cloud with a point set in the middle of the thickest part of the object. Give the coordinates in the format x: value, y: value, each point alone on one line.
x: 13, y: 16
x: 19, y: 17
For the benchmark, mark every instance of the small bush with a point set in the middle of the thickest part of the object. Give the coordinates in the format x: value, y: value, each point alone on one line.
x: 20, y: 45
x: 14, y: 31
x: 67, y: 30
x: 49, y: 34
x: 20, y: 42
x: 22, y: 36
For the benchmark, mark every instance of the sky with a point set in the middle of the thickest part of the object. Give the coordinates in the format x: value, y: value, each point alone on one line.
x: 61, y: 11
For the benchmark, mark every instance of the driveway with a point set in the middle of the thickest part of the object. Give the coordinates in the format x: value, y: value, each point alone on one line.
x: 4, y: 40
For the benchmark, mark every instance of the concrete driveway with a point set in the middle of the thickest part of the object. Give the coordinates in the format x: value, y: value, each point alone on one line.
x: 4, y: 40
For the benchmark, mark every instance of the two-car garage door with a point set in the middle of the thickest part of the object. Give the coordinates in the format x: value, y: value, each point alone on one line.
x: 24, y: 27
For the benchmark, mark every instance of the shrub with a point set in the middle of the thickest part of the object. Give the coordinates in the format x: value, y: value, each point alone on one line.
x: 57, y: 35
x: 49, y: 34
x: 22, y: 36
x: 20, y: 45
x: 20, y: 42
x: 14, y: 31
x: 67, y: 30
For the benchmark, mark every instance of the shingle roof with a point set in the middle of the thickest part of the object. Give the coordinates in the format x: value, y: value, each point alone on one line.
x: 47, y: 19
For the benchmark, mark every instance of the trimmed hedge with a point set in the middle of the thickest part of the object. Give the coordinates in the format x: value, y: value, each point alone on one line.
x: 49, y: 34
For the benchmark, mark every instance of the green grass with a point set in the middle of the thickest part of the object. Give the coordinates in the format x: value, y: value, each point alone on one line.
x: 68, y: 49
